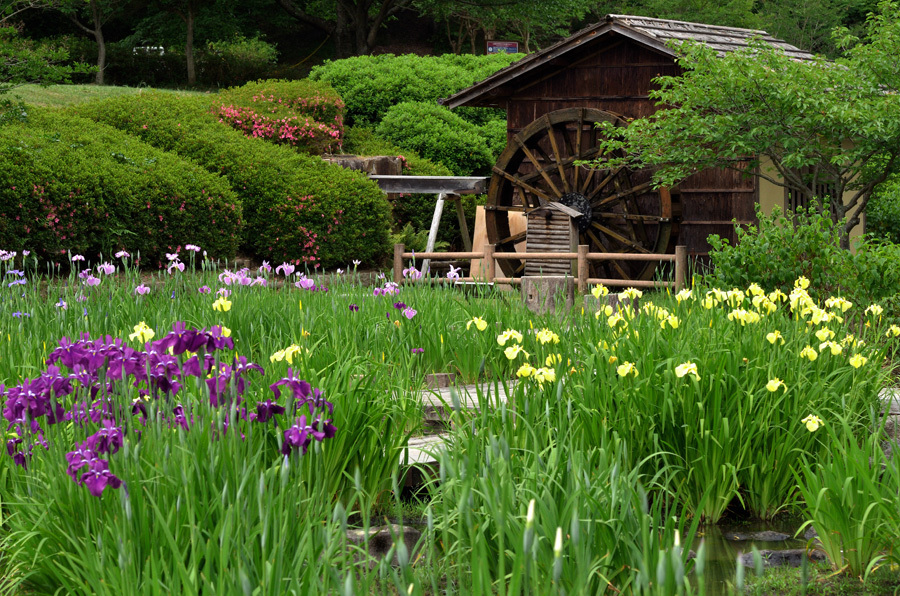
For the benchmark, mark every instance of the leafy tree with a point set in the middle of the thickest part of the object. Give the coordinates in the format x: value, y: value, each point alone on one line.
x: 798, y: 124
x: 532, y: 22
x: 98, y: 12
x: 23, y: 61
x: 353, y: 23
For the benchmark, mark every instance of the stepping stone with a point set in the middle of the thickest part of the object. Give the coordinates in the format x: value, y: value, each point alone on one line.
x: 767, y: 536
x: 782, y: 558
x: 423, y: 450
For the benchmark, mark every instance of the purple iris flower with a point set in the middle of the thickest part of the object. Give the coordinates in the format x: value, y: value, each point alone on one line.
x: 204, y: 289
x: 297, y: 437
x: 223, y: 292
x: 81, y: 456
x: 17, y: 282
x: 399, y: 305
x: 19, y: 314
x: 62, y: 304
x: 92, y: 281
x: 354, y: 308
x: 300, y: 389
x: 142, y: 290
x: 12, y: 448
x: 192, y: 247
x: 180, y: 418
x: 265, y: 267
x: 122, y: 254
x: 267, y: 409
x: 98, y: 477
x: 305, y: 284
x: 77, y: 258
x: 175, y: 265
x: 106, y: 268
x: 409, y: 313
x: 286, y: 268
x: 418, y: 350
x: 172, y: 256
x: 16, y: 272
x: 181, y: 339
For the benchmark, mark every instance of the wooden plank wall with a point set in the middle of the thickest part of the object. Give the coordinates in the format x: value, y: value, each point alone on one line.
x: 617, y: 77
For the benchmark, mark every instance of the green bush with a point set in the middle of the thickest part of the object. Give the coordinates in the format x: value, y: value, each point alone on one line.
x: 415, y: 210
x: 296, y: 207
x: 235, y: 60
x: 438, y: 134
x: 494, y: 133
x: 883, y: 211
x: 67, y: 183
x: 807, y: 243
x: 370, y: 85
x: 303, y: 114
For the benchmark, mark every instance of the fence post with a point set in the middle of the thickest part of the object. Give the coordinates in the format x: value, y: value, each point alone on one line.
x: 398, y: 262
x: 680, y: 267
x: 489, y: 261
x: 582, y: 268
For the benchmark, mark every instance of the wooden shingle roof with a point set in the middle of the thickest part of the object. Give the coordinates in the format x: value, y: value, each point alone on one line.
x: 654, y: 33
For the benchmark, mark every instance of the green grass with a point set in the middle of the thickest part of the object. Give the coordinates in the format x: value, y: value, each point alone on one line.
x: 787, y: 581
x: 58, y: 96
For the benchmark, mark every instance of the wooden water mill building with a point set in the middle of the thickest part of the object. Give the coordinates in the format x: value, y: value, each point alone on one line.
x: 553, y: 98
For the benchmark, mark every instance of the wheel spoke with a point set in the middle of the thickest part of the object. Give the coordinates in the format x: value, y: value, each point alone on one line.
x: 512, y: 239
x: 644, y: 218
x: 537, y: 166
x: 612, y: 175
x: 551, y: 134
x: 619, y: 237
x: 606, y: 248
x: 522, y: 184
x: 620, y: 195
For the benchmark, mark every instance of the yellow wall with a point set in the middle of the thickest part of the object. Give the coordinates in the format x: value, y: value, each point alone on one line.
x: 772, y: 195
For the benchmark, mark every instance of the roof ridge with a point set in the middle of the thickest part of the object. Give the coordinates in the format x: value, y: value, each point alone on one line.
x: 610, y: 17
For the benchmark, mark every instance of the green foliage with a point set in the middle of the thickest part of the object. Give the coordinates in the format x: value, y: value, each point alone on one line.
x: 25, y: 61
x: 67, y: 183
x: 781, y: 249
x: 494, y: 132
x: 804, y: 122
x: 851, y: 499
x: 806, y: 243
x: 370, y: 85
x: 235, y: 60
x: 303, y: 114
x: 436, y: 133
x: 296, y: 207
x: 883, y: 213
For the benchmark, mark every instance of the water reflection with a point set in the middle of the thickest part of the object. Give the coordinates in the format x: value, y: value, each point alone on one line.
x: 722, y: 550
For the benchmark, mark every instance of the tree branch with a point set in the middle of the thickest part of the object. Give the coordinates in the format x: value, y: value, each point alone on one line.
x: 317, y: 22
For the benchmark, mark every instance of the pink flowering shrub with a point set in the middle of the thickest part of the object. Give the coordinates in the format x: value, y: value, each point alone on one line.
x: 67, y: 183
x: 307, y: 116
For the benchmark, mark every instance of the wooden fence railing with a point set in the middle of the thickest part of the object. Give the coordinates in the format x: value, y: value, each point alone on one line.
x: 582, y: 257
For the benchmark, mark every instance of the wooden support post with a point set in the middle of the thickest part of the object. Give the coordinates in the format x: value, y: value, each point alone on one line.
x: 582, y: 270
x: 398, y: 263
x: 489, y: 263
x: 463, y: 226
x: 432, y: 233
x: 680, y: 267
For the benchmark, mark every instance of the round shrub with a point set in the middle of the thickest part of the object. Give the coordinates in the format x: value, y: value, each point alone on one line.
x: 306, y: 115
x: 296, y: 207
x: 883, y: 211
x: 438, y: 134
x: 67, y: 183
x: 370, y: 85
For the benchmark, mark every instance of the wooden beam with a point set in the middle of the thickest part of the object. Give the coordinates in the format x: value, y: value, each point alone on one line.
x: 457, y: 185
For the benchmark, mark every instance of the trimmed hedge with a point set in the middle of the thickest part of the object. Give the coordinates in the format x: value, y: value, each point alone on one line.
x: 436, y: 133
x: 306, y: 115
x: 67, y: 183
x: 296, y: 207
x: 370, y: 85
x: 415, y: 209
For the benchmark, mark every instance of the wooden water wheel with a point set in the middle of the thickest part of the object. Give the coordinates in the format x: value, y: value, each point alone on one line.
x: 621, y: 213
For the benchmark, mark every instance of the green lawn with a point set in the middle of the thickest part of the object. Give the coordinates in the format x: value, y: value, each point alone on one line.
x: 65, y: 95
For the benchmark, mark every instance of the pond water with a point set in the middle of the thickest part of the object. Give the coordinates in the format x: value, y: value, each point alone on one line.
x: 723, y: 549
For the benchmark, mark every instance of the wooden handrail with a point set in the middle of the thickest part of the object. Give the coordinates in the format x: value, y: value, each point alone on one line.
x: 582, y: 256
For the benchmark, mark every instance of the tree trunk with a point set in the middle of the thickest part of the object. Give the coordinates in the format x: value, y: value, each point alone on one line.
x: 101, y: 43
x: 343, y: 43
x: 361, y: 27
x: 189, y: 46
